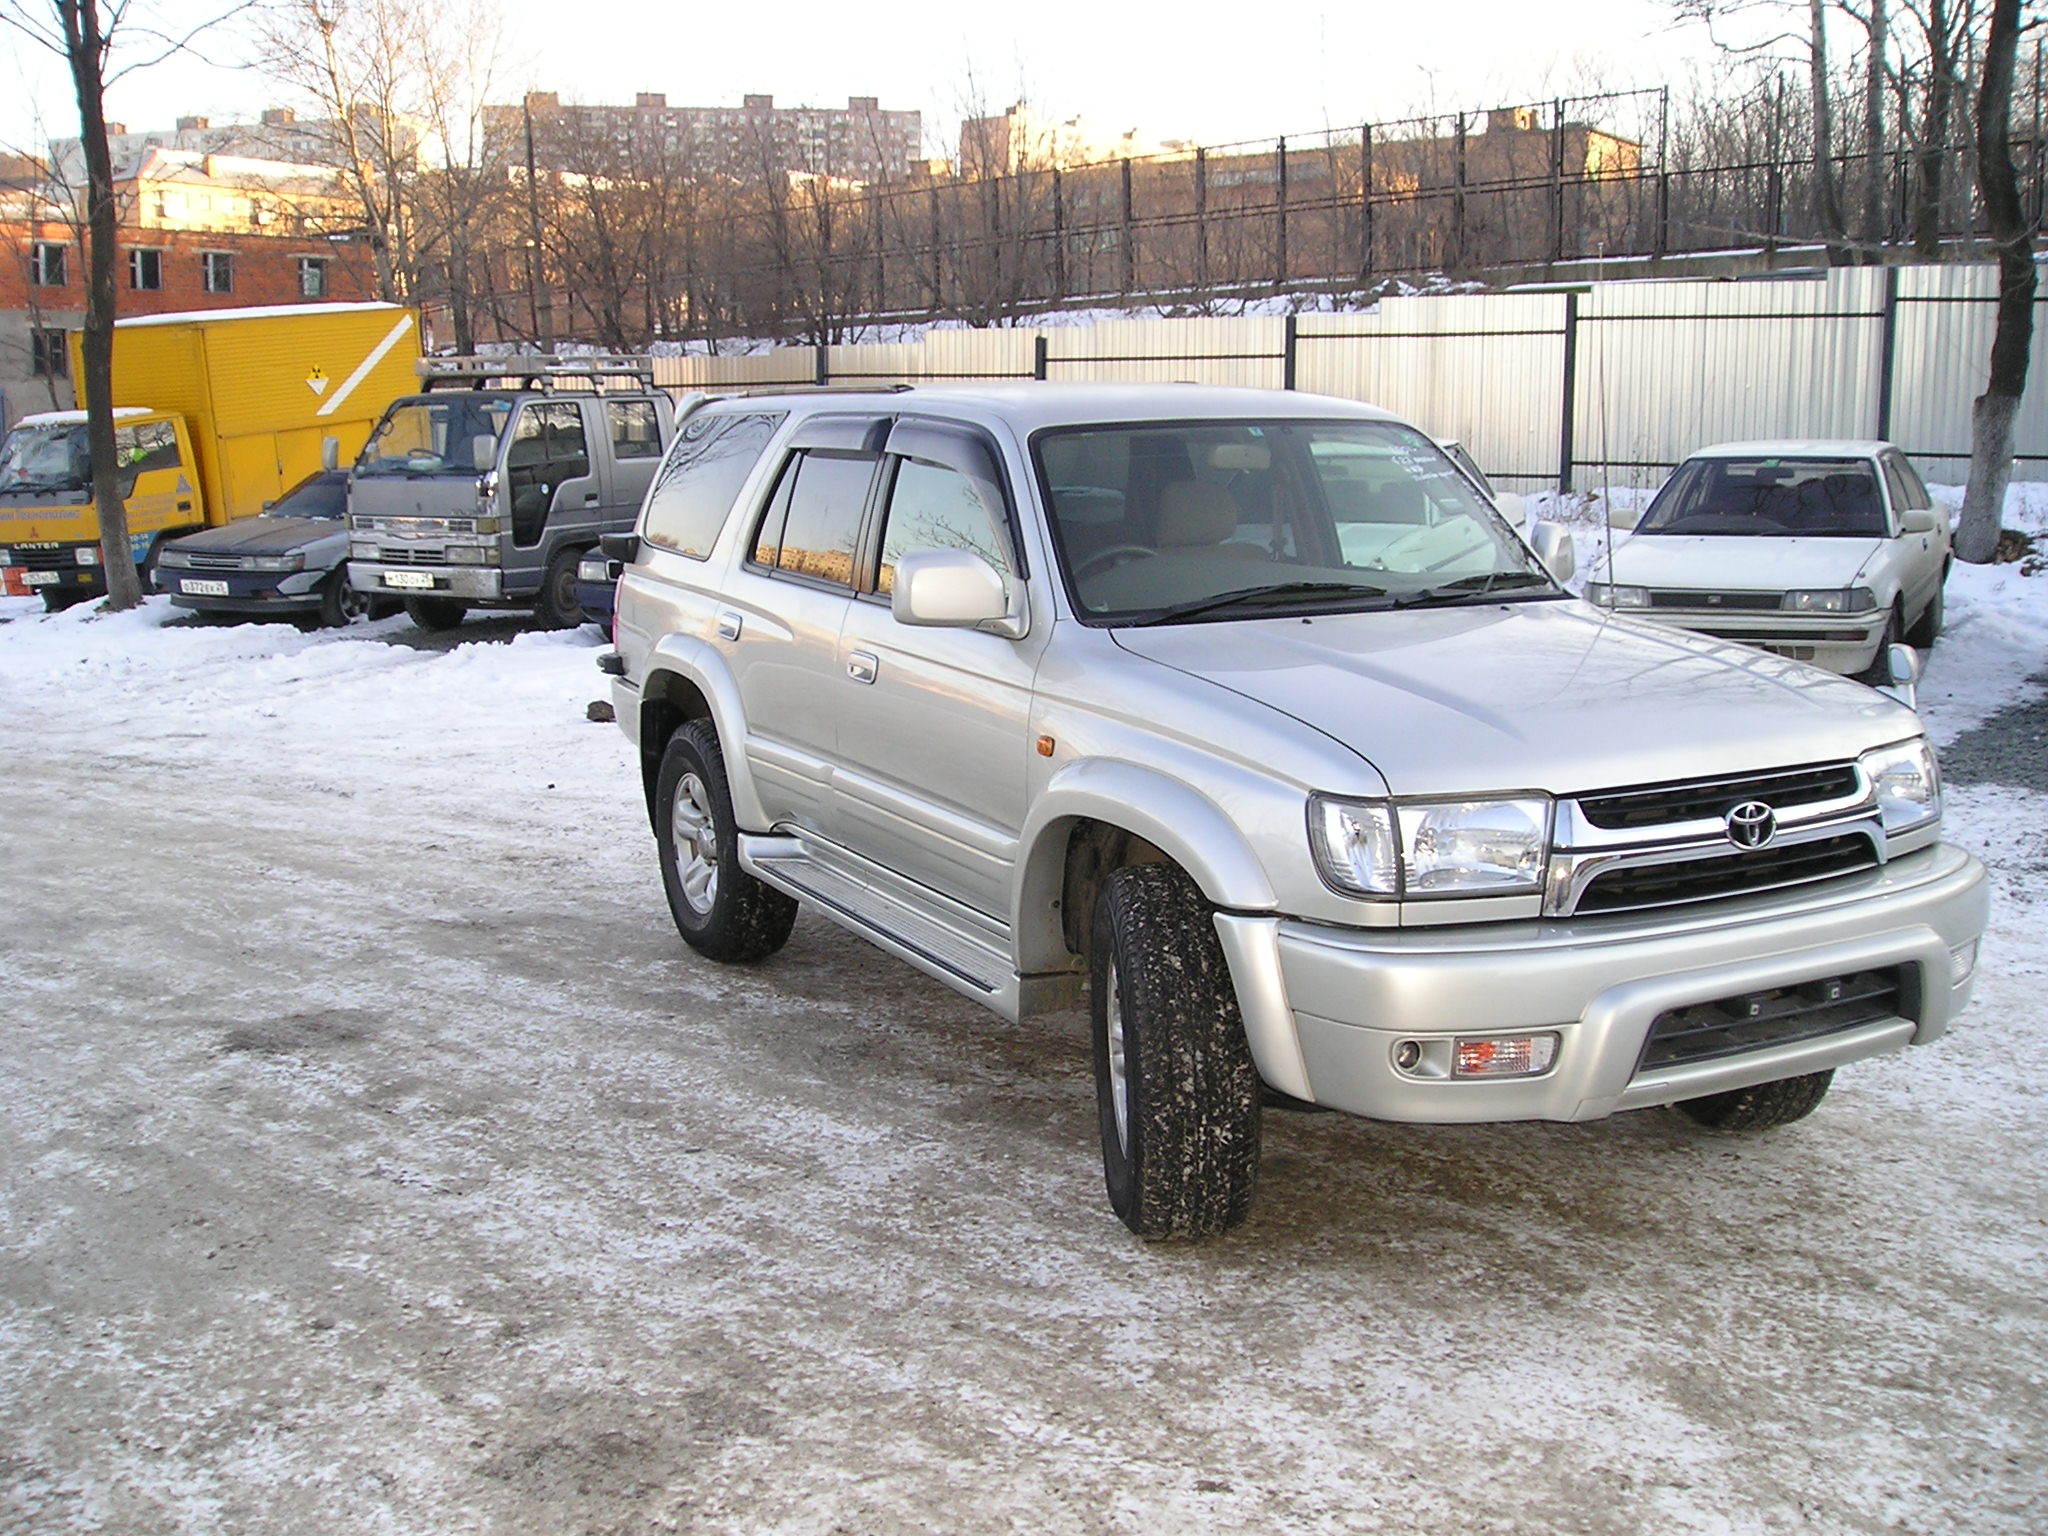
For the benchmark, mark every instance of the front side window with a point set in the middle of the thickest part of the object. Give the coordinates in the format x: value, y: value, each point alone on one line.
x: 934, y: 507
x: 696, y: 486
x: 1909, y: 491
x: 145, y: 269
x: 548, y: 448
x: 812, y: 524
x: 440, y: 435
x: 48, y: 265
x: 312, y: 277
x: 217, y: 271
x: 152, y: 445
x: 1768, y: 497
x: 635, y: 430
x: 1159, y: 523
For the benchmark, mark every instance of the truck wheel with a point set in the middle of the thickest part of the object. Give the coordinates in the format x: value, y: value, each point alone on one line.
x: 556, y: 606
x: 1176, y: 1093
x: 340, y: 603
x: 720, y: 910
x: 436, y: 612
x: 1759, y: 1108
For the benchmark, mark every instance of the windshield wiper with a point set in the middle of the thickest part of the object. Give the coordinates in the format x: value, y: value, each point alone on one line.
x: 1468, y: 588
x: 1249, y: 595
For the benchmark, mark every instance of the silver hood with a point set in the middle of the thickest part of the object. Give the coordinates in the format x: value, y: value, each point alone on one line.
x: 1553, y: 696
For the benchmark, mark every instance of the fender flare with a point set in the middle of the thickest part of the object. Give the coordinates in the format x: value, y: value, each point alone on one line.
x: 700, y: 666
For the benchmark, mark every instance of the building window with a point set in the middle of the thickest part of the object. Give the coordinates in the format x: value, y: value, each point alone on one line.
x: 48, y: 265
x: 49, y: 354
x: 217, y: 271
x: 313, y: 277
x: 145, y: 269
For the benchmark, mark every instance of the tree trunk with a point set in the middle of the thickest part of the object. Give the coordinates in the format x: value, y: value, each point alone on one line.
x: 1827, y: 202
x: 1933, y: 133
x: 1991, y: 419
x: 85, y: 50
x: 1874, y: 230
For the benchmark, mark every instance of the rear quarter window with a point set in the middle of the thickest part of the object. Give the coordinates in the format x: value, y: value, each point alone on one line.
x: 694, y: 490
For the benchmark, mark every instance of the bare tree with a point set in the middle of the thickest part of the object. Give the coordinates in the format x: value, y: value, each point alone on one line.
x: 87, y: 34
x: 2012, y: 233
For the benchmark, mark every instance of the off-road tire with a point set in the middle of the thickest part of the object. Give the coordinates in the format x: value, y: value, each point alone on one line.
x: 341, y: 604
x: 1927, y: 628
x: 436, y: 613
x: 735, y: 917
x: 1185, y: 1160
x: 555, y: 605
x: 1761, y: 1108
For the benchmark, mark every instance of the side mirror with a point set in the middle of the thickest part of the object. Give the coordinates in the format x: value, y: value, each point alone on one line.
x: 1902, y: 667
x: 1553, y: 545
x: 622, y: 547
x: 330, y: 453
x: 1624, y: 518
x: 1918, y: 520
x: 483, y: 453
x: 948, y: 588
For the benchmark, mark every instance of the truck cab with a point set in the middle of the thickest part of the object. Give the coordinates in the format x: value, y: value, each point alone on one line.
x: 49, y: 525
x: 487, y: 487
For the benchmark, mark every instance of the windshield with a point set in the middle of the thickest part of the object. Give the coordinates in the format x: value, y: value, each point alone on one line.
x: 1770, y: 498
x: 434, y: 436
x: 1163, y: 523
x: 51, y: 457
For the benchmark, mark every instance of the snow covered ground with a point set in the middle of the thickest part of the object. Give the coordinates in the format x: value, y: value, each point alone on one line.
x: 373, y: 1158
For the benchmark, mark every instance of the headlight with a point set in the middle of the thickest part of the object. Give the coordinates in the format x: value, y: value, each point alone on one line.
x: 1907, y: 782
x: 295, y: 562
x: 88, y: 554
x: 362, y: 549
x: 1431, y: 848
x: 1830, y: 600
x: 173, y: 557
x: 487, y: 526
x: 466, y: 554
x: 1609, y: 596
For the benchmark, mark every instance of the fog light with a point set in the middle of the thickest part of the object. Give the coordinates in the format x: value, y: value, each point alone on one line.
x: 1407, y: 1054
x: 1962, y: 962
x: 1509, y: 1056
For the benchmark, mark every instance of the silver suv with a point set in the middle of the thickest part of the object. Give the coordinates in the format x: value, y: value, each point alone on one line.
x: 1244, y: 717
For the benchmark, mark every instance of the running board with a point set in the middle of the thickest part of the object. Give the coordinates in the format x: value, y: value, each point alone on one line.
x: 966, y: 951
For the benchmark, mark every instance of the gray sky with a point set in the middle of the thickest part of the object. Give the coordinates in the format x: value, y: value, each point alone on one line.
x: 1191, y: 71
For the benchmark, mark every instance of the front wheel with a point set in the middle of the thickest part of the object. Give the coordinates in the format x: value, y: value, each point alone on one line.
x: 340, y: 603
x: 720, y: 910
x: 1879, y: 672
x: 1761, y: 1108
x: 436, y: 613
x: 1177, y: 1096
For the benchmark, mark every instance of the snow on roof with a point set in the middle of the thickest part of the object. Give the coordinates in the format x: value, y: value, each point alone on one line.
x: 75, y: 418
x: 255, y: 312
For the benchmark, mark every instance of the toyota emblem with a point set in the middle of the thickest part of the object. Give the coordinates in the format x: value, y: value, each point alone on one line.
x: 1752, y: 824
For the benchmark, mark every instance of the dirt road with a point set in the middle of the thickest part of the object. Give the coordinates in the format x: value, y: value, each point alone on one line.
x: 373, y: 1158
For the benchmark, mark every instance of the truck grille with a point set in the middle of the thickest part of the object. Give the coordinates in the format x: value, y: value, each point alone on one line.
x: 399, y: 554
x: 43, y: 559
x: 1730, y: 1026
x: 1709, y: 799
x: 1738, y: 874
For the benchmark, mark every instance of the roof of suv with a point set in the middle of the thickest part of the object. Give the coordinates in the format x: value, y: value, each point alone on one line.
x: 1028, y: 405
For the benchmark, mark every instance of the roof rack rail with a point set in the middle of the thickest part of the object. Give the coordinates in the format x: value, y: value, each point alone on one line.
x: 545, y: 372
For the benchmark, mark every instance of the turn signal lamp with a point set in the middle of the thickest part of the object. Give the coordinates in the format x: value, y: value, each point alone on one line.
x: 1505, y: 1056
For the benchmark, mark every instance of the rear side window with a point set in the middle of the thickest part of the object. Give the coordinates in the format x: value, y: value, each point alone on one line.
x: 696, y: 486
x: 812, y: 526
x: 635, y: 432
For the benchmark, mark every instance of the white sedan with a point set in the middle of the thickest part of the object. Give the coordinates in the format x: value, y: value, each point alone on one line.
x: 1823, y: 551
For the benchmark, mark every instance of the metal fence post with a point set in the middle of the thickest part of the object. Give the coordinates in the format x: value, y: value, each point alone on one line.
x: 1280, y: 205
x: 1290, y: 335
x: 1202, y: 219
x: 1567, y: 434
x: 1888, y: 360
x: 1040, y: 351
x: 1130, y: 236
x: 1365, y: 205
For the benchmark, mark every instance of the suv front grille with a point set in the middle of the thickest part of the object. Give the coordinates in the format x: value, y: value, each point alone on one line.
x: 1737, y: 874
x: 1710, y: 799
x: 1730, y: 1026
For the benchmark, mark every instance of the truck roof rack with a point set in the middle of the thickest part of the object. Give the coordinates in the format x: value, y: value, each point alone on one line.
x: 583, y: 373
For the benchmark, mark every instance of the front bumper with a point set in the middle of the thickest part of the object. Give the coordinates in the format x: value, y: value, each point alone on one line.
x: 1840, y: 642
x: 255, y: 592
x: 464, y: 583
x: 1326, y: 1008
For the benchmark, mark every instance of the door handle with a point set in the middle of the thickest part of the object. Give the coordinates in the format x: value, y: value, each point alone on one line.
x: 860, y: 666
x: 590, y: 498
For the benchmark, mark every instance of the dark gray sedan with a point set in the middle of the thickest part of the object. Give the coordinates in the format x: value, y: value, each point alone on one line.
x: 288, y: 562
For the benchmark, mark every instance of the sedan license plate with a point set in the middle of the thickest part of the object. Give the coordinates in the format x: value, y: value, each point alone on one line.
x: 193, y: 588
x: 40, y: 578
x: 416, y: 581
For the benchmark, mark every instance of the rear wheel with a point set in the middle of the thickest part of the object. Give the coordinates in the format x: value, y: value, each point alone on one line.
x: 1760, y: 1108
x: 1177, y: 1096
x: 436, y: 612
x: 720, y: 910
x: 556, y: 606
